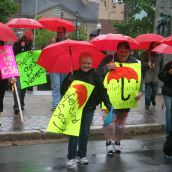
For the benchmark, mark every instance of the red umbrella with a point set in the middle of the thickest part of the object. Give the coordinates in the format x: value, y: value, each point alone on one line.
x: 24, y: 23
x: 53, y: 23
x: 110, y: 41
x: 63, y: 56
x: 146, y: 39
x: 167, y: 40
x: 163, y: 48
x: 6, y: 34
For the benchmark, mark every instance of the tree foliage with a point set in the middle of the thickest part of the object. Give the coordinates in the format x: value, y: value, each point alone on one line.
x: 135, y: 26
x: 79, y: 34
x: 7, y: 9
x: 43, y: 38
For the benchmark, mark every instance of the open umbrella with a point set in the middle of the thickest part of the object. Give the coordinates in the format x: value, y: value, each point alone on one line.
x: 146, y: 39
x: 163, y: 48
x: 24, y: 23
x: 53, y: 23
x: 63, y: 56
x: 167, y: 40
x: 6, y: 34
x: 110, y: 41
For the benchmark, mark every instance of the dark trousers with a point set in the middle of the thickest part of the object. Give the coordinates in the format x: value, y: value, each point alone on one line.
x: 151, y: 90
x: 3, y: 86
x: 82, y: 140
x: 21, y: 93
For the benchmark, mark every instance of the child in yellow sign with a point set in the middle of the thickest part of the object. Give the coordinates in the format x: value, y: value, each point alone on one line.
x: 88, y: 75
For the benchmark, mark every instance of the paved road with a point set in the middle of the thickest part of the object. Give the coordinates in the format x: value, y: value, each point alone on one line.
x: 138, y: 155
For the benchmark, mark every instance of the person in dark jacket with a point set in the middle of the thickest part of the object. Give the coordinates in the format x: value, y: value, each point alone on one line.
x: 118, y: 124
x: 166, y: 77
x: 24, y: 44
x: 88, y: 75
x: 3, y: 86
x: 152, y: 64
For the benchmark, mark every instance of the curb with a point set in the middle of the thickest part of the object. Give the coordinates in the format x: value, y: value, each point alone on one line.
x: 95, y: 133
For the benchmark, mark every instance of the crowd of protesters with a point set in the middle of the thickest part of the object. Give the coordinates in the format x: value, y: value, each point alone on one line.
x: 152, y: 68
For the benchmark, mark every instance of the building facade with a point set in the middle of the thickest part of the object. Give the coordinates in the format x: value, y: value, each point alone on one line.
x: 110, y: 11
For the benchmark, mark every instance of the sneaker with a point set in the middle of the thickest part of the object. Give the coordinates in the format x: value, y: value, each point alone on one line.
x: 117, y: 148
x: 82, y: 160
x: 153, y: 103
x: 53, y: 109
x: 109, y: 150
x: 146, y: 107
x: 16, y: 111
x: 71, y: 162
x: 168, y: 156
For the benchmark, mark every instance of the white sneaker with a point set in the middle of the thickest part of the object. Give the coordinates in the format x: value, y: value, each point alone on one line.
x: 117, y: 148
x: 71, y: 162
x: 82, y: 160
x: 109, y: 150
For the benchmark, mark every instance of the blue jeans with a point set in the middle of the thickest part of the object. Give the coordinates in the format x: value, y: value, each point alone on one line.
x: 56, y: 81
x: 82, y: 140
x: 151, y: 90
x: 168, y: 104
x: 21, y: 93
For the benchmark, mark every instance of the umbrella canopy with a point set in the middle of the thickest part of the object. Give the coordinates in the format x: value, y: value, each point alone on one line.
x: 24, y: 23
x: 6, y: 34
x: 163, y: 48
x: 167, y: 40
x: 63, y: 57
x: 53, y: 23
x: 110, y: 41
x: 146, y: 39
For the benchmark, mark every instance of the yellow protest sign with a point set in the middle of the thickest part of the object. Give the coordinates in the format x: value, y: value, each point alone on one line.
x: 123, y: 85
x: 66, y: 118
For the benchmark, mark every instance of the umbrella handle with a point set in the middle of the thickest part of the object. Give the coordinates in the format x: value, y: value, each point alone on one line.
x: 70, y: 52
x: 122, y: 91
x: 18, y: 100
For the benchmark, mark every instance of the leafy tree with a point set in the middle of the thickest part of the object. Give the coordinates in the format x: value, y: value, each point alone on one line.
x: 79, y: 34
x: 133, y: 25
x: 42, y: 38
x: 7, y: 8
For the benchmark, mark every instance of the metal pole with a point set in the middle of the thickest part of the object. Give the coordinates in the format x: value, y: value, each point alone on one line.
x: 36, y: 10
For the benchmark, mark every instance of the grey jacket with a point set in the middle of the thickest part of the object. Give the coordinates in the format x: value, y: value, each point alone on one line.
x: 150, y: 75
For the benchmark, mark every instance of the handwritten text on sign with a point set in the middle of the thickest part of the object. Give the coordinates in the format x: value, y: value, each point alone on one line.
x: 66, y: 118
x: 7, y: 62
x: 123, y: 85
x: 32, y: 74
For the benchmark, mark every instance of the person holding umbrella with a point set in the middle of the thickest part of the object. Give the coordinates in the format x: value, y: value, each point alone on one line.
x: 113, y: 140
x: 57, y: 78
x: 22, y: 45
x: 88, y: 75
x: 152, y: 63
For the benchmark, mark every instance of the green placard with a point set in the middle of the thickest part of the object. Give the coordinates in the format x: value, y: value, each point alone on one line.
x: 31, y: 74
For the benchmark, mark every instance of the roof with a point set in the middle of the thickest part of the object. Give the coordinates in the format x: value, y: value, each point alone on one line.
x: 87, y: 12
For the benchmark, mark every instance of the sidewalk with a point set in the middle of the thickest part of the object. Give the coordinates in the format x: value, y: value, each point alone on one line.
x: 37, y: 115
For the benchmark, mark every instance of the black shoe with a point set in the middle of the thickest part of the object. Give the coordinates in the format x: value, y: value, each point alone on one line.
x: 16, y: 111
x: 147, y: 107
x: 153, y: 103
x: 22, y: 108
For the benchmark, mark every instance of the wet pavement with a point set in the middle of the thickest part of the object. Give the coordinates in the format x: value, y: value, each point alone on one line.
x: 138, y: 155
x: 37, y: 114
